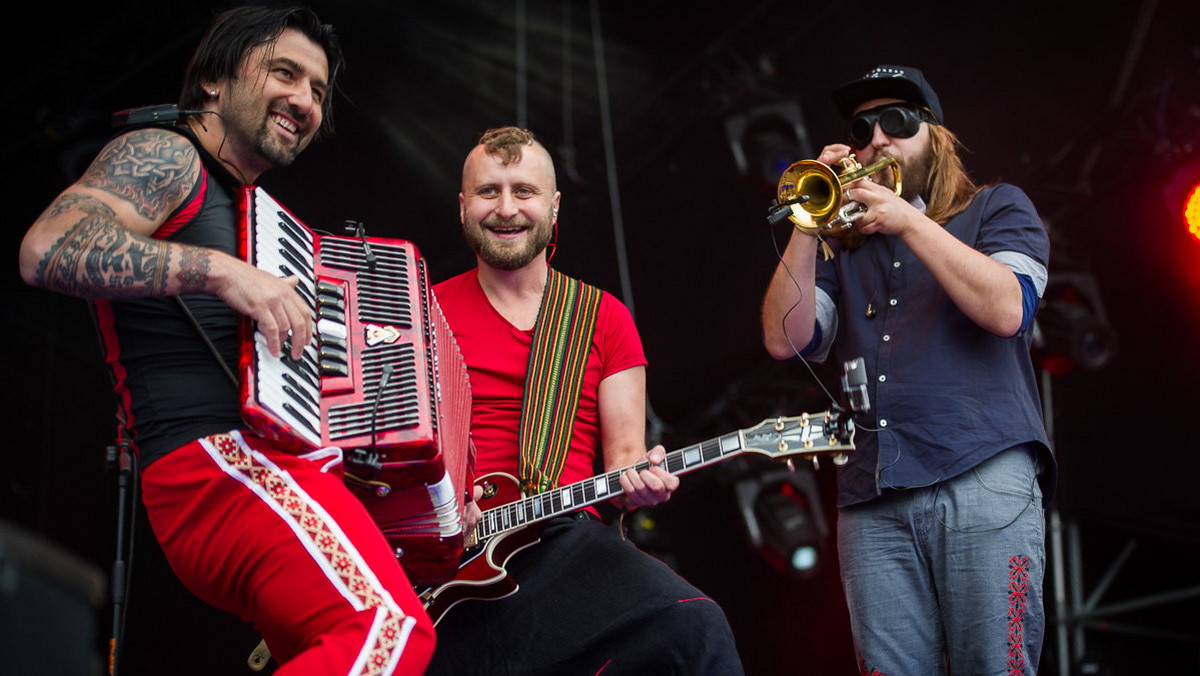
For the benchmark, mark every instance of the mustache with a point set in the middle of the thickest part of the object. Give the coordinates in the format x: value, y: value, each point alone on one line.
x: 515, y: 222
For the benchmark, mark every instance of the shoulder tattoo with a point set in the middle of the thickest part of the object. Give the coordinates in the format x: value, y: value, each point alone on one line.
x: 152, y: 169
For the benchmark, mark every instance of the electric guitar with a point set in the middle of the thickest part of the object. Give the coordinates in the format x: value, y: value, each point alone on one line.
x: 507, y: 529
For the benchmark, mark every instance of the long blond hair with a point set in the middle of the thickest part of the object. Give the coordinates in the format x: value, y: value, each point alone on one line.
x: 950, y: 189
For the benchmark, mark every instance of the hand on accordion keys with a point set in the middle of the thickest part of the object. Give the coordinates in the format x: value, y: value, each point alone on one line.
x: 270, y: 301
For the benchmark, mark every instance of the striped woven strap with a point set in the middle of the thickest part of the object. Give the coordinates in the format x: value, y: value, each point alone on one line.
x: 562, y: 339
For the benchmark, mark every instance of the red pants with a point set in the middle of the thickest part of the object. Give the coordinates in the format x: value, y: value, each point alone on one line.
x: 279, y: 540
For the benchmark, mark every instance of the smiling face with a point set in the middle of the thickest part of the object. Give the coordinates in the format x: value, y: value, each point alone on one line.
x: 508, y: 211
x: 272, y: 110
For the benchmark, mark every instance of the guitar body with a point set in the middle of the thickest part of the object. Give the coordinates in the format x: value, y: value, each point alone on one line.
x: 482, y: 575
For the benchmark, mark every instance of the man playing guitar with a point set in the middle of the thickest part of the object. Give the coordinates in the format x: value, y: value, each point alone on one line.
x: 557, y: 372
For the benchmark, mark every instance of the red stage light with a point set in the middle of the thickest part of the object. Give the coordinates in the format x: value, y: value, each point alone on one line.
x: 1181, y: 193
x: 1191, y: 211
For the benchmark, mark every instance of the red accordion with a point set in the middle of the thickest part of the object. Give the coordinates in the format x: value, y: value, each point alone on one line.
x: 382, y: 379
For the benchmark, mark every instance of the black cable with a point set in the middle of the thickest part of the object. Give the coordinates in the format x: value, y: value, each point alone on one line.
x: 783, y: 327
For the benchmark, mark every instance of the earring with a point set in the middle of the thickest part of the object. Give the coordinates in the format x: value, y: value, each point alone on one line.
x: 212, y: 93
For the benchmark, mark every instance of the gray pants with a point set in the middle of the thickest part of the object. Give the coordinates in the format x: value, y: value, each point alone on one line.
x: 948, y: 578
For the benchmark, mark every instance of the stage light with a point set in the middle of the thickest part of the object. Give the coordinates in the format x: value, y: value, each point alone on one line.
x: 1191, y: 212
x: 804, y: 558
x: 765, y: 140
x: 1072, y: 328
x: 781, y: 511
x: 1181, y: 194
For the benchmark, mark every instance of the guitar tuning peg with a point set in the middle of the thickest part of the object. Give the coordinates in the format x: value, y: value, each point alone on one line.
x: 816, y: 463
x: 791, y: 467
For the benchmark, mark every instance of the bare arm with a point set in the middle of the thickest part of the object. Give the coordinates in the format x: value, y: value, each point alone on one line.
x: 984, y: 289
x: 623, y: 436
x: 789, y: 311
x: 94, y: 240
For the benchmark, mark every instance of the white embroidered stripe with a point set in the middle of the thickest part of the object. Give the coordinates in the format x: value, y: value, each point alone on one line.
x: 356, y: 582
x: 367, y: 663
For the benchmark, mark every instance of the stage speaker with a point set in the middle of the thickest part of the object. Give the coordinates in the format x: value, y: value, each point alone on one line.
x: 49, y: 600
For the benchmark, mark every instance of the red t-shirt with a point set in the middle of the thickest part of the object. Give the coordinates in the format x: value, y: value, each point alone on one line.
x: 497, y: 358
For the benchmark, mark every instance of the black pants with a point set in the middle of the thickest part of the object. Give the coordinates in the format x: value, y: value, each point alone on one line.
x: 589, y: 602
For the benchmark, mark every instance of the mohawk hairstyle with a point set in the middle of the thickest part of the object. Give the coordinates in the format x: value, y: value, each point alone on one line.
x: 507, y: 143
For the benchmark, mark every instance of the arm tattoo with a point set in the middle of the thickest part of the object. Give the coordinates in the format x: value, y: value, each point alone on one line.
x: 97, y: 258
x: 193, y: 268
x: 152, y: 169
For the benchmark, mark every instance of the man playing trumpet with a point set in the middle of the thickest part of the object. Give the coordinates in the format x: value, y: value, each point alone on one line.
x: 940, y: 527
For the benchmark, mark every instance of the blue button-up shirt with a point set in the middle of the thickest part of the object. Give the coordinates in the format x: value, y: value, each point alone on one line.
x: 945, y: 394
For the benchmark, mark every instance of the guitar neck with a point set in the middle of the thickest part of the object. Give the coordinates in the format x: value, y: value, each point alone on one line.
x: 808, y: 438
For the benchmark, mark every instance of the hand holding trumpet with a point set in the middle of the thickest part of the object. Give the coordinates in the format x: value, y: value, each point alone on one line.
x: 882, y: 210
x: 816, y: 195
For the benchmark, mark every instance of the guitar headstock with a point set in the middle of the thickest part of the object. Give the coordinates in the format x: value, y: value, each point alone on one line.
x: 808, y: 435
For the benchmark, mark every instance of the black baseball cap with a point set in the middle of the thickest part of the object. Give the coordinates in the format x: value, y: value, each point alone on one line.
x: 888, y: 82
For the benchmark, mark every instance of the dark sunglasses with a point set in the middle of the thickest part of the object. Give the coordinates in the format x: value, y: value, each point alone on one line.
x: 898, y: 120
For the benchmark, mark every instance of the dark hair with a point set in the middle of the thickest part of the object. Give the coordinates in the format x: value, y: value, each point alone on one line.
x: 234, y: 33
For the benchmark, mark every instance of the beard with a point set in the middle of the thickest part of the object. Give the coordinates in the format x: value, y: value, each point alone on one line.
x: 914, y: 172
x: 505, y: 255
x: 272, y: 149
x: 251, y: 123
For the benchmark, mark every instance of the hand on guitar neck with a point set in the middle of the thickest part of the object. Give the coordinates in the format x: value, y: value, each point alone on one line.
x: 472, y: 514
x: 648, y: 487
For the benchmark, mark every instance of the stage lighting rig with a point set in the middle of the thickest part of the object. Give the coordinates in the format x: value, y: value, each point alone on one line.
x: 766, y: 139
x: 784, y: 522
x: 1072, y: 327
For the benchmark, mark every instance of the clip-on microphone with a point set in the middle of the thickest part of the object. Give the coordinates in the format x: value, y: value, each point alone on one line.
x: 160, y: 114
x: 779, y: 211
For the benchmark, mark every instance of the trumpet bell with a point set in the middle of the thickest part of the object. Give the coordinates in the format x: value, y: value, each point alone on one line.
x: 814, y: 191
x: 819, y: 183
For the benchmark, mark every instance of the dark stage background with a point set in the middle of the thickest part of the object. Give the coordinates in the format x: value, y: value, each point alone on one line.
x: 1093, y: 109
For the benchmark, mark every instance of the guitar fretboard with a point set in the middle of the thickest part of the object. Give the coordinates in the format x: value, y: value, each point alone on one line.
x: 808, y: 437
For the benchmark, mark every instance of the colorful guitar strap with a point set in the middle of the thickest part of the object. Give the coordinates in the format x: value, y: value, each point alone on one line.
x: 562, y: 338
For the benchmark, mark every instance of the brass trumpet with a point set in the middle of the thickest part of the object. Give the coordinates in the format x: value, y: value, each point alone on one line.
x: 814, y: 192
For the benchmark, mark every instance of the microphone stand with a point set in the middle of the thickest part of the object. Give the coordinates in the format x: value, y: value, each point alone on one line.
x: 121, y: 456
